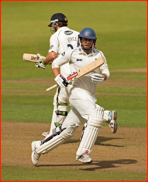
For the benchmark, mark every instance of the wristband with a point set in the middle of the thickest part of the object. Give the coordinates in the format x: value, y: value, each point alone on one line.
x: 43, y: 63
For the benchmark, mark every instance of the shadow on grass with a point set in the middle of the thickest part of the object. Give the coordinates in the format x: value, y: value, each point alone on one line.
x: 99, y: 141
x: 110, y: 164
x: 97, y: 164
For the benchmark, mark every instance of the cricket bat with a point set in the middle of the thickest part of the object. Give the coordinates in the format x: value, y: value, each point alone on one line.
x: 32, y: 58
x: 82, y: 71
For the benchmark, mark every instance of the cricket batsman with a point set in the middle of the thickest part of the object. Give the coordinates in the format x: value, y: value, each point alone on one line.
x: 82, y: 99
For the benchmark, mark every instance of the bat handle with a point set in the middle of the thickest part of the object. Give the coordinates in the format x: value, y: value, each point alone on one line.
x: 50, y: 88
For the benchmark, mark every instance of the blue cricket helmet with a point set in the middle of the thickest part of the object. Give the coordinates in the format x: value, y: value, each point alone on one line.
x: 88, y: 33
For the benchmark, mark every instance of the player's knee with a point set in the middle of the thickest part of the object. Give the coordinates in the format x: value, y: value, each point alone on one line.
x: 96, y: 117
x: 69, y: 131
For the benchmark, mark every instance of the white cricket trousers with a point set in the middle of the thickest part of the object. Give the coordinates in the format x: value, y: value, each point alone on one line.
x: 82, y: 105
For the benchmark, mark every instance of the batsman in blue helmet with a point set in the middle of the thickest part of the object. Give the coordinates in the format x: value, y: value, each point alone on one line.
x: 87, y: 33
x: 82, y: 100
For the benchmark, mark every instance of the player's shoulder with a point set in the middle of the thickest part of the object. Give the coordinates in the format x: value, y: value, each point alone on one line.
x: 70, y: 31
x: 57, y: 33
x: 75, y: 31
x: 76, y: 50
x: 68, y: 52
x: 72, y: 52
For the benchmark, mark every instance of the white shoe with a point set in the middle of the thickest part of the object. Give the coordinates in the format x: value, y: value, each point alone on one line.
x: 85, y: 158
x: 112, y: 121
x: 34, y: 156
x: 44, y: 134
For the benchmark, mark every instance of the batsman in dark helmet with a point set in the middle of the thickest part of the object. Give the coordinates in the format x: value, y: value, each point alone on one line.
x: 62, y: 39
x: 58, y: 19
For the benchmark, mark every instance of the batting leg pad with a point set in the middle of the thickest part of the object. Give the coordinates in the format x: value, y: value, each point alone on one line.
x: 61, y: 113
x: 96, y: 117
x: 91, y: 131
x: 55, y: 141
x: 88, y: 140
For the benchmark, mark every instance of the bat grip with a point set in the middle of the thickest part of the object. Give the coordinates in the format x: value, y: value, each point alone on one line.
x: 54, y: 86
x: 50, y: 88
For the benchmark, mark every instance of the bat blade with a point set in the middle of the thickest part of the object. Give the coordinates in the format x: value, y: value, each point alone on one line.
x: 82, y: 71
x: 86, y: 69
x: 31, y: 58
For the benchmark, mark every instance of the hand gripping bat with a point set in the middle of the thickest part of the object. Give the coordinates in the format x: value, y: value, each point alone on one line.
x: 32, y: 58
x: 82, y: 71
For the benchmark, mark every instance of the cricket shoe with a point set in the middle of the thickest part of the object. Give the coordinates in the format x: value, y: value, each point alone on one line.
x: 112, y: 121
x: 34, y: 156
x: 44, y: 134
x: 85, y: 158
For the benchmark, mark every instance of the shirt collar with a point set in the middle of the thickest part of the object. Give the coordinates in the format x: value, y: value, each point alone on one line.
x: 93, y: 52
x: 62, y: 28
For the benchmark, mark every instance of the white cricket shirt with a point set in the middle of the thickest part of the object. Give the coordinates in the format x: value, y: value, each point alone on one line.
x: 77, y: 59
x: 62, y: 40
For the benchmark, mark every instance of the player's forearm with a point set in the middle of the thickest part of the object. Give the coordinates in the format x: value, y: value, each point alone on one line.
x: 105, y: 78
x: 56, y: 71
x: 50, y: 57
x: 105, y: 71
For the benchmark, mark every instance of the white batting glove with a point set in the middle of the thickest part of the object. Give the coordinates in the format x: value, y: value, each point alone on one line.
x: 41, y: 63
x: 97, y: 78
x: 61, y: 81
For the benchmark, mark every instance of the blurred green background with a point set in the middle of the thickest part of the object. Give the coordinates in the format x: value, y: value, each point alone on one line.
x: 121, y: 29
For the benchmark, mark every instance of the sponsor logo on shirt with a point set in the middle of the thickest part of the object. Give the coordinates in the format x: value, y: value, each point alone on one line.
x: 63, y: 54
x: 68, y: 32
x: 51, y: 46
x: 79, y: 60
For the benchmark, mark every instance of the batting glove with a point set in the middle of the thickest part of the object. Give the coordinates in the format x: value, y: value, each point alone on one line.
x: 61, y: 81
x: 41, y: 63
x: 97, y: 78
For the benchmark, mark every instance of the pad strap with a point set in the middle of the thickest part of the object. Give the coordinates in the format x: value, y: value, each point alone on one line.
x: 63, y: 113
x: 51, y: 136
x: 62, y: 104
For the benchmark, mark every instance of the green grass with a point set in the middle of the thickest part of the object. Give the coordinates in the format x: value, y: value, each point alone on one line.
x: 51, y: 174
x: 117, y: 30
x: 121, y: 29
x: 130, y: 103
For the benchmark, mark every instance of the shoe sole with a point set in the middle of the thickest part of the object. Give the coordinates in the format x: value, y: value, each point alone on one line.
x: 32, y: 159
x: 33, y: 148
x: 87, y: 162
x: 114, y: 116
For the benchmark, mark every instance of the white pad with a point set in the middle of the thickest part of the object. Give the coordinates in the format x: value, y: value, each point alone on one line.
x: 91, y: 131
x: 88, y: 140
x: 57, y: 140
x: 50, y: 145
x: 54, y: 118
